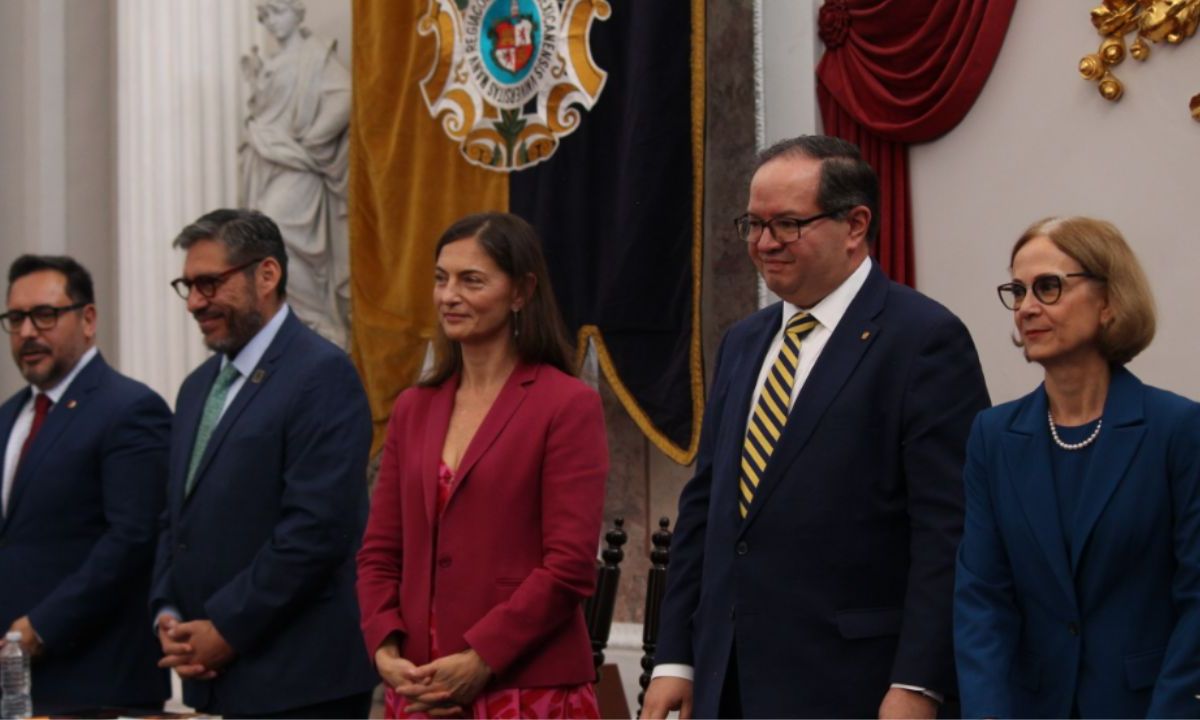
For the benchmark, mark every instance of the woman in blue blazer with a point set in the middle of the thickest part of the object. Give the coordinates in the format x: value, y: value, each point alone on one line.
x: 1078, y: 583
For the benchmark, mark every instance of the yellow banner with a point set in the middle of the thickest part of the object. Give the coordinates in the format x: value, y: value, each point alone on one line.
x: 407, y: 184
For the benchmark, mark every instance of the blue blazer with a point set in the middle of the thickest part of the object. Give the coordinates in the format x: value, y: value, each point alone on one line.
x: 264, y: 546
x: 77, y: 543
x: 839, y: 581
x: 1111, y: 627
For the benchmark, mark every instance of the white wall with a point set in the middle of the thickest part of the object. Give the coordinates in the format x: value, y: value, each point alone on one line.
x: 56, y: 137
x: 1041, y: 141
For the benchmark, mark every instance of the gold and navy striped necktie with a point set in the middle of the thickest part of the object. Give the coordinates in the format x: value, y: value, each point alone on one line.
x: 771, y: 411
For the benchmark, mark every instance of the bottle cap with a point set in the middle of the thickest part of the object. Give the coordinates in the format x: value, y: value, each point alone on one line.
x: 13, y: 636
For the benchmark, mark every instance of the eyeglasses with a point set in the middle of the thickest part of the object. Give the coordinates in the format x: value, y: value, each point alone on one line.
x: 44, y: 317
x: 785, y: 229
x: 1046, y: 288
x: 207, y: 285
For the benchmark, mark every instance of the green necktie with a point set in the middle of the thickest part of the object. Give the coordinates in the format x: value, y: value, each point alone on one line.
x: 208, y: 420
x: 771, y: 411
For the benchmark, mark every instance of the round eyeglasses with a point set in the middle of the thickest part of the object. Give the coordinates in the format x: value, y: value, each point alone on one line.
x: 1047, y: 289
x: 207, y: 285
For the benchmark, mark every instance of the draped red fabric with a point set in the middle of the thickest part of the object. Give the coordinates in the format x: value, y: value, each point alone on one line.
x: 897, y: 72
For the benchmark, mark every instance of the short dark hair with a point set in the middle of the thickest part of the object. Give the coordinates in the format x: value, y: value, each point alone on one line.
x: 246, y: 235
x: 847, y: 180
x: 514, y: 246
x: 79, y: 280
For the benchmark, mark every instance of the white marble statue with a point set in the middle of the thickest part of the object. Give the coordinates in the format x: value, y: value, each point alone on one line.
x: 294, y: 162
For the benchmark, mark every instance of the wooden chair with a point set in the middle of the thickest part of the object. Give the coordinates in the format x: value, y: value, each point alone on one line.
x: 598, y: 609
x: 656, y: 585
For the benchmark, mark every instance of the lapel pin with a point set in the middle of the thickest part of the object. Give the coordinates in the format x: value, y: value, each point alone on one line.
x: 258, y: 376
x: 866, y: 334
x: 71, y: 404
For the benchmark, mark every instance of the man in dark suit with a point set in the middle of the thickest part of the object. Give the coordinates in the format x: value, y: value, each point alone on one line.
x: 267, y: 495
x: 812, y: 566
x: 84, y: 466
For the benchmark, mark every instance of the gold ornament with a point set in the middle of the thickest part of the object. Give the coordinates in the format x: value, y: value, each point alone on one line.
x: 1154, y: 20
x: 1111, y: 88
x: 1091, y: 68
x: 1139, y: 50
x: 1112, y: 51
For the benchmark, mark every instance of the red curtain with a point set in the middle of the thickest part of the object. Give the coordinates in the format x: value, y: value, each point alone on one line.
x: 897, y: 72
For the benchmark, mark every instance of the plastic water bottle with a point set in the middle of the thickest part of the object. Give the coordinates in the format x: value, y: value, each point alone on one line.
x: 14, y: 679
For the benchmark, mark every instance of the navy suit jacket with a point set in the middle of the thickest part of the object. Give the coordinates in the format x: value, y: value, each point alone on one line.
x: 1113, y: 624
x: 264, y: 545
x: 839, y: 581
x: 77, y: 543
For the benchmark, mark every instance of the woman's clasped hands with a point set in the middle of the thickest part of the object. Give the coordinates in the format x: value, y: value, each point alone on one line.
x: 444, y: 687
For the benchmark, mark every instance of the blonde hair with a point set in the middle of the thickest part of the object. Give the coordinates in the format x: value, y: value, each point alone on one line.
x: 1101, y: 250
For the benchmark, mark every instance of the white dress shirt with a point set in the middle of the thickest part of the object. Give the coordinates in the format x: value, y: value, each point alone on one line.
x: 24, y: 423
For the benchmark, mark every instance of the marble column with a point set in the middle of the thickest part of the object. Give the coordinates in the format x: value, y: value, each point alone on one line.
x: 180, y: 100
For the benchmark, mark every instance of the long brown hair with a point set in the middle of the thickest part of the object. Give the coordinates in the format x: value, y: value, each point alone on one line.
x: 514, y: 246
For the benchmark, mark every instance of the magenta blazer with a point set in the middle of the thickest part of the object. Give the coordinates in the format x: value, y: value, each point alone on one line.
x: 515, y: 550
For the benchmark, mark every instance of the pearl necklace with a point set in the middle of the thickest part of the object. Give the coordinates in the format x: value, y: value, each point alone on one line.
x: 1072, y: 446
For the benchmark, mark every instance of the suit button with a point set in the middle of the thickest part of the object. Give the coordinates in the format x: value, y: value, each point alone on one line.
x: 742, y: 548
x: 1073, y: 629
x: 443, y: 562
x: 182, y: 547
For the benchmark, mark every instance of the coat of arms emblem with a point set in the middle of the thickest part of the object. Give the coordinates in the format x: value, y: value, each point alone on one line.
x: 511, y: 77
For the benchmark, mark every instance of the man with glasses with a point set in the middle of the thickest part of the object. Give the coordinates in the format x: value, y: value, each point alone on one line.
x: 812, y: 566
x: 266, y: 499
x: 84, y: 466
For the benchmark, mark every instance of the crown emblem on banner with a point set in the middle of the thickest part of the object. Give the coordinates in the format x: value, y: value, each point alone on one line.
x: 511, y: 77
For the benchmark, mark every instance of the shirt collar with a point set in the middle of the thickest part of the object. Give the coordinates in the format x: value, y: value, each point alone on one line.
x: 832, y: 307
x: 55, y: 393
x: 252, y: 354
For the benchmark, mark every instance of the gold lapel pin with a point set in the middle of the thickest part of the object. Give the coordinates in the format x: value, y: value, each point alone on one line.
x: 71, y: 404
x: 866, y: 334
x: 258, y: 376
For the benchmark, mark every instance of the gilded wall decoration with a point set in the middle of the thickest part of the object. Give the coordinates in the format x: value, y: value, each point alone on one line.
x: 1149, y: 20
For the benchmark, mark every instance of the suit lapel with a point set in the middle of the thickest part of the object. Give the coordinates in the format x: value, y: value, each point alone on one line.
x: 1119, y: 439
x: 259, y: 377
x: 742, y: 369
x: 437, y: 424
x: 8, y: 417
x: 854, y: 334
x: 494, y: 422
x: 60, y: 417
x: 1027, y: 454
x: 187, y: 419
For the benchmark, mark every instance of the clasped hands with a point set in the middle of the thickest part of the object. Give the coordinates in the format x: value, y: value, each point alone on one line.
x: 442, y: 688
x: 195, y: 649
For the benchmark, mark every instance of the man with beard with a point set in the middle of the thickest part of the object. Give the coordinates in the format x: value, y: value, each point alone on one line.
x: 266, y: 498
x: 84, y: 453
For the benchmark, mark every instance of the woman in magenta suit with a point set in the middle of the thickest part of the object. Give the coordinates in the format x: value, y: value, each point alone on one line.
x: 484, y: 525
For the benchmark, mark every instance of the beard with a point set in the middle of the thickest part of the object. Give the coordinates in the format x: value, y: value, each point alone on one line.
x: 41, y: 374
x: 242, y: 326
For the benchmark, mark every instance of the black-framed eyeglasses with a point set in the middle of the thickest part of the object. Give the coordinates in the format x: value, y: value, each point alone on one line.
x: 207, y: 285
x: 1047, y: 289
x: 44, y: 317
x: 785, y: 228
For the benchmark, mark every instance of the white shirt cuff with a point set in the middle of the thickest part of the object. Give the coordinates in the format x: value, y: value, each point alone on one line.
x: 677, y: 670
x: 927, y: 693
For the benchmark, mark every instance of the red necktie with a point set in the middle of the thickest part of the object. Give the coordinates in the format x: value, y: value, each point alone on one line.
x: 41, y: 407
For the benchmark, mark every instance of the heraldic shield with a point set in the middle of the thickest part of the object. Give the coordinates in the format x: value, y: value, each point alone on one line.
x: 510, y: 77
